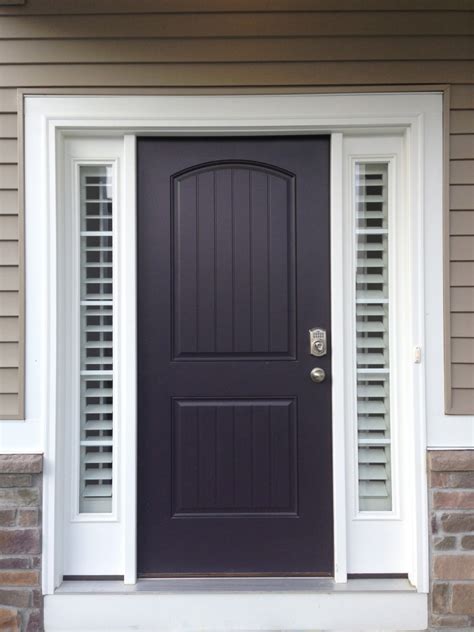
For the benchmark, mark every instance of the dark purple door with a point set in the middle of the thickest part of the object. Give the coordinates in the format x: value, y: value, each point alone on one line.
x: 234, y: 439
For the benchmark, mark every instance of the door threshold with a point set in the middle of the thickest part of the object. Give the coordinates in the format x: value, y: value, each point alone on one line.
x: 236, y: 585
x: 147, y: 576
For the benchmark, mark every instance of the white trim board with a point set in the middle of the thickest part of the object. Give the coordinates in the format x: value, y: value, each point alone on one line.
x: 417, y: 116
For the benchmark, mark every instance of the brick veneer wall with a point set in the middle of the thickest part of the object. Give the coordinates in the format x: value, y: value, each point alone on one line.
x: 20, y: 543
x: 451, y: 481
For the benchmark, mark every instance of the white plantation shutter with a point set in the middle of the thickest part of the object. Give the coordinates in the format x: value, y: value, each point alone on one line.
x: 372, y: 337
x: 96, y: 411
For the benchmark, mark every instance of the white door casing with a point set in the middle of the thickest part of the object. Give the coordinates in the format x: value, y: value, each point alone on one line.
x: 415, y: 119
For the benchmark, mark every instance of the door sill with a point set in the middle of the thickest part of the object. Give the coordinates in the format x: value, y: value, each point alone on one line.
x: 236, y: 605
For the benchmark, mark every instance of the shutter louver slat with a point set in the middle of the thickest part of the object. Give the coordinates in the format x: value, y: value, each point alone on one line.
x: 372, y: 343
x: 98, y: 457
x: 373, y: 491
x: 371, y: 391
x: 97, y: 425
x: 369, y: 263
x: 370, y: 407
x: 370, y: 439
x: 369, y: 247
x: 99, y: 492
x: 372, y: 473
x: 372, y: 278
x: 370, y: 310
x: 99, y: 475
x: 372, y: 423
x: 373, y: 359
x: 370, y: 199
x: 370, y: 326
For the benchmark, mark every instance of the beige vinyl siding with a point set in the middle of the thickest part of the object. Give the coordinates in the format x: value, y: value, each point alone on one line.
x: 241, y: 50
x: 11, y: 340
x: 264, y: 45
x: 242, y: 24
x: 461, y: 248
x: 45, y: 7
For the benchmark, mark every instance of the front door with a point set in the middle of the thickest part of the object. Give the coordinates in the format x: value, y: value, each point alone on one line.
x: 234, y: 437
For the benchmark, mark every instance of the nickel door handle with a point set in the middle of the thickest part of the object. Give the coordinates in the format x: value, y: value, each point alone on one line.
x: 318, y: 375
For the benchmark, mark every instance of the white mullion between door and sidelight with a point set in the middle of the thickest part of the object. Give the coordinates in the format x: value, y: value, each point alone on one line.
x: 338, y: 341
x: 127, y: 355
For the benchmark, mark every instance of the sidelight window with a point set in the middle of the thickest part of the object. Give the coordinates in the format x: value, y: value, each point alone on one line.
x: 372, y: 337
x: 96, y: 333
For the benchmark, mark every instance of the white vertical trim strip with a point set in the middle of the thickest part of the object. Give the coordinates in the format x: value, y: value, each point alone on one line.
x: 417, y: 403
x: 337, y: 360
x: 127, y: 372
x: 70, y: 297
x: 52, y: 518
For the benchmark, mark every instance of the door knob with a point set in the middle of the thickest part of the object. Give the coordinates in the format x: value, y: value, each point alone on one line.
x: 318, y: 375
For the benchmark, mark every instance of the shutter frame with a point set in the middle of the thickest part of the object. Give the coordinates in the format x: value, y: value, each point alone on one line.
x: 374, y: 467
x: 96, y: 329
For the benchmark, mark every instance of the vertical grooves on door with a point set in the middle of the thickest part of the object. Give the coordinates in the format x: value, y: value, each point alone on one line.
x: 270, y: 449
x: 216, y: 471
x: 233, y: 455
x: 197, y: 262
x: 250, y: 262
x: 269, y: 310
x: 252, y: 455
x: 198, y: 456
x: 232, y: 222
x: 251, y: 286
x: 215, y: 257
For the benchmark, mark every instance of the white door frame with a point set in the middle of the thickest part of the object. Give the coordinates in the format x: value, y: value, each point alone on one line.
x: 48, y: 120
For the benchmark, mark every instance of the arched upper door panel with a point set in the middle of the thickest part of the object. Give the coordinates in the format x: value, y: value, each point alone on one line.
x: 233, y: 221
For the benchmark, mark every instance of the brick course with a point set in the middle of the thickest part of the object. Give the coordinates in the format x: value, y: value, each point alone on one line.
x: 20, y: 543
x: 451, y: 481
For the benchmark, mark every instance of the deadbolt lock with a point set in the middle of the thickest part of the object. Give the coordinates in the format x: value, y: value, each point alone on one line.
x: 317, y: 342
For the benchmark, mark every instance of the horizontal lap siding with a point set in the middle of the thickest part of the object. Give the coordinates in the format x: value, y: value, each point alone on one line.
x: 302, y: 44
x: 207, y: 50
x: 10, y: 282
x: 461, y: 247
x: 45, y: 7
x: 239, y: 25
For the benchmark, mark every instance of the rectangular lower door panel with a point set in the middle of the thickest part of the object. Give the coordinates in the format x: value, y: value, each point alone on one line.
x: 234, y: 457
